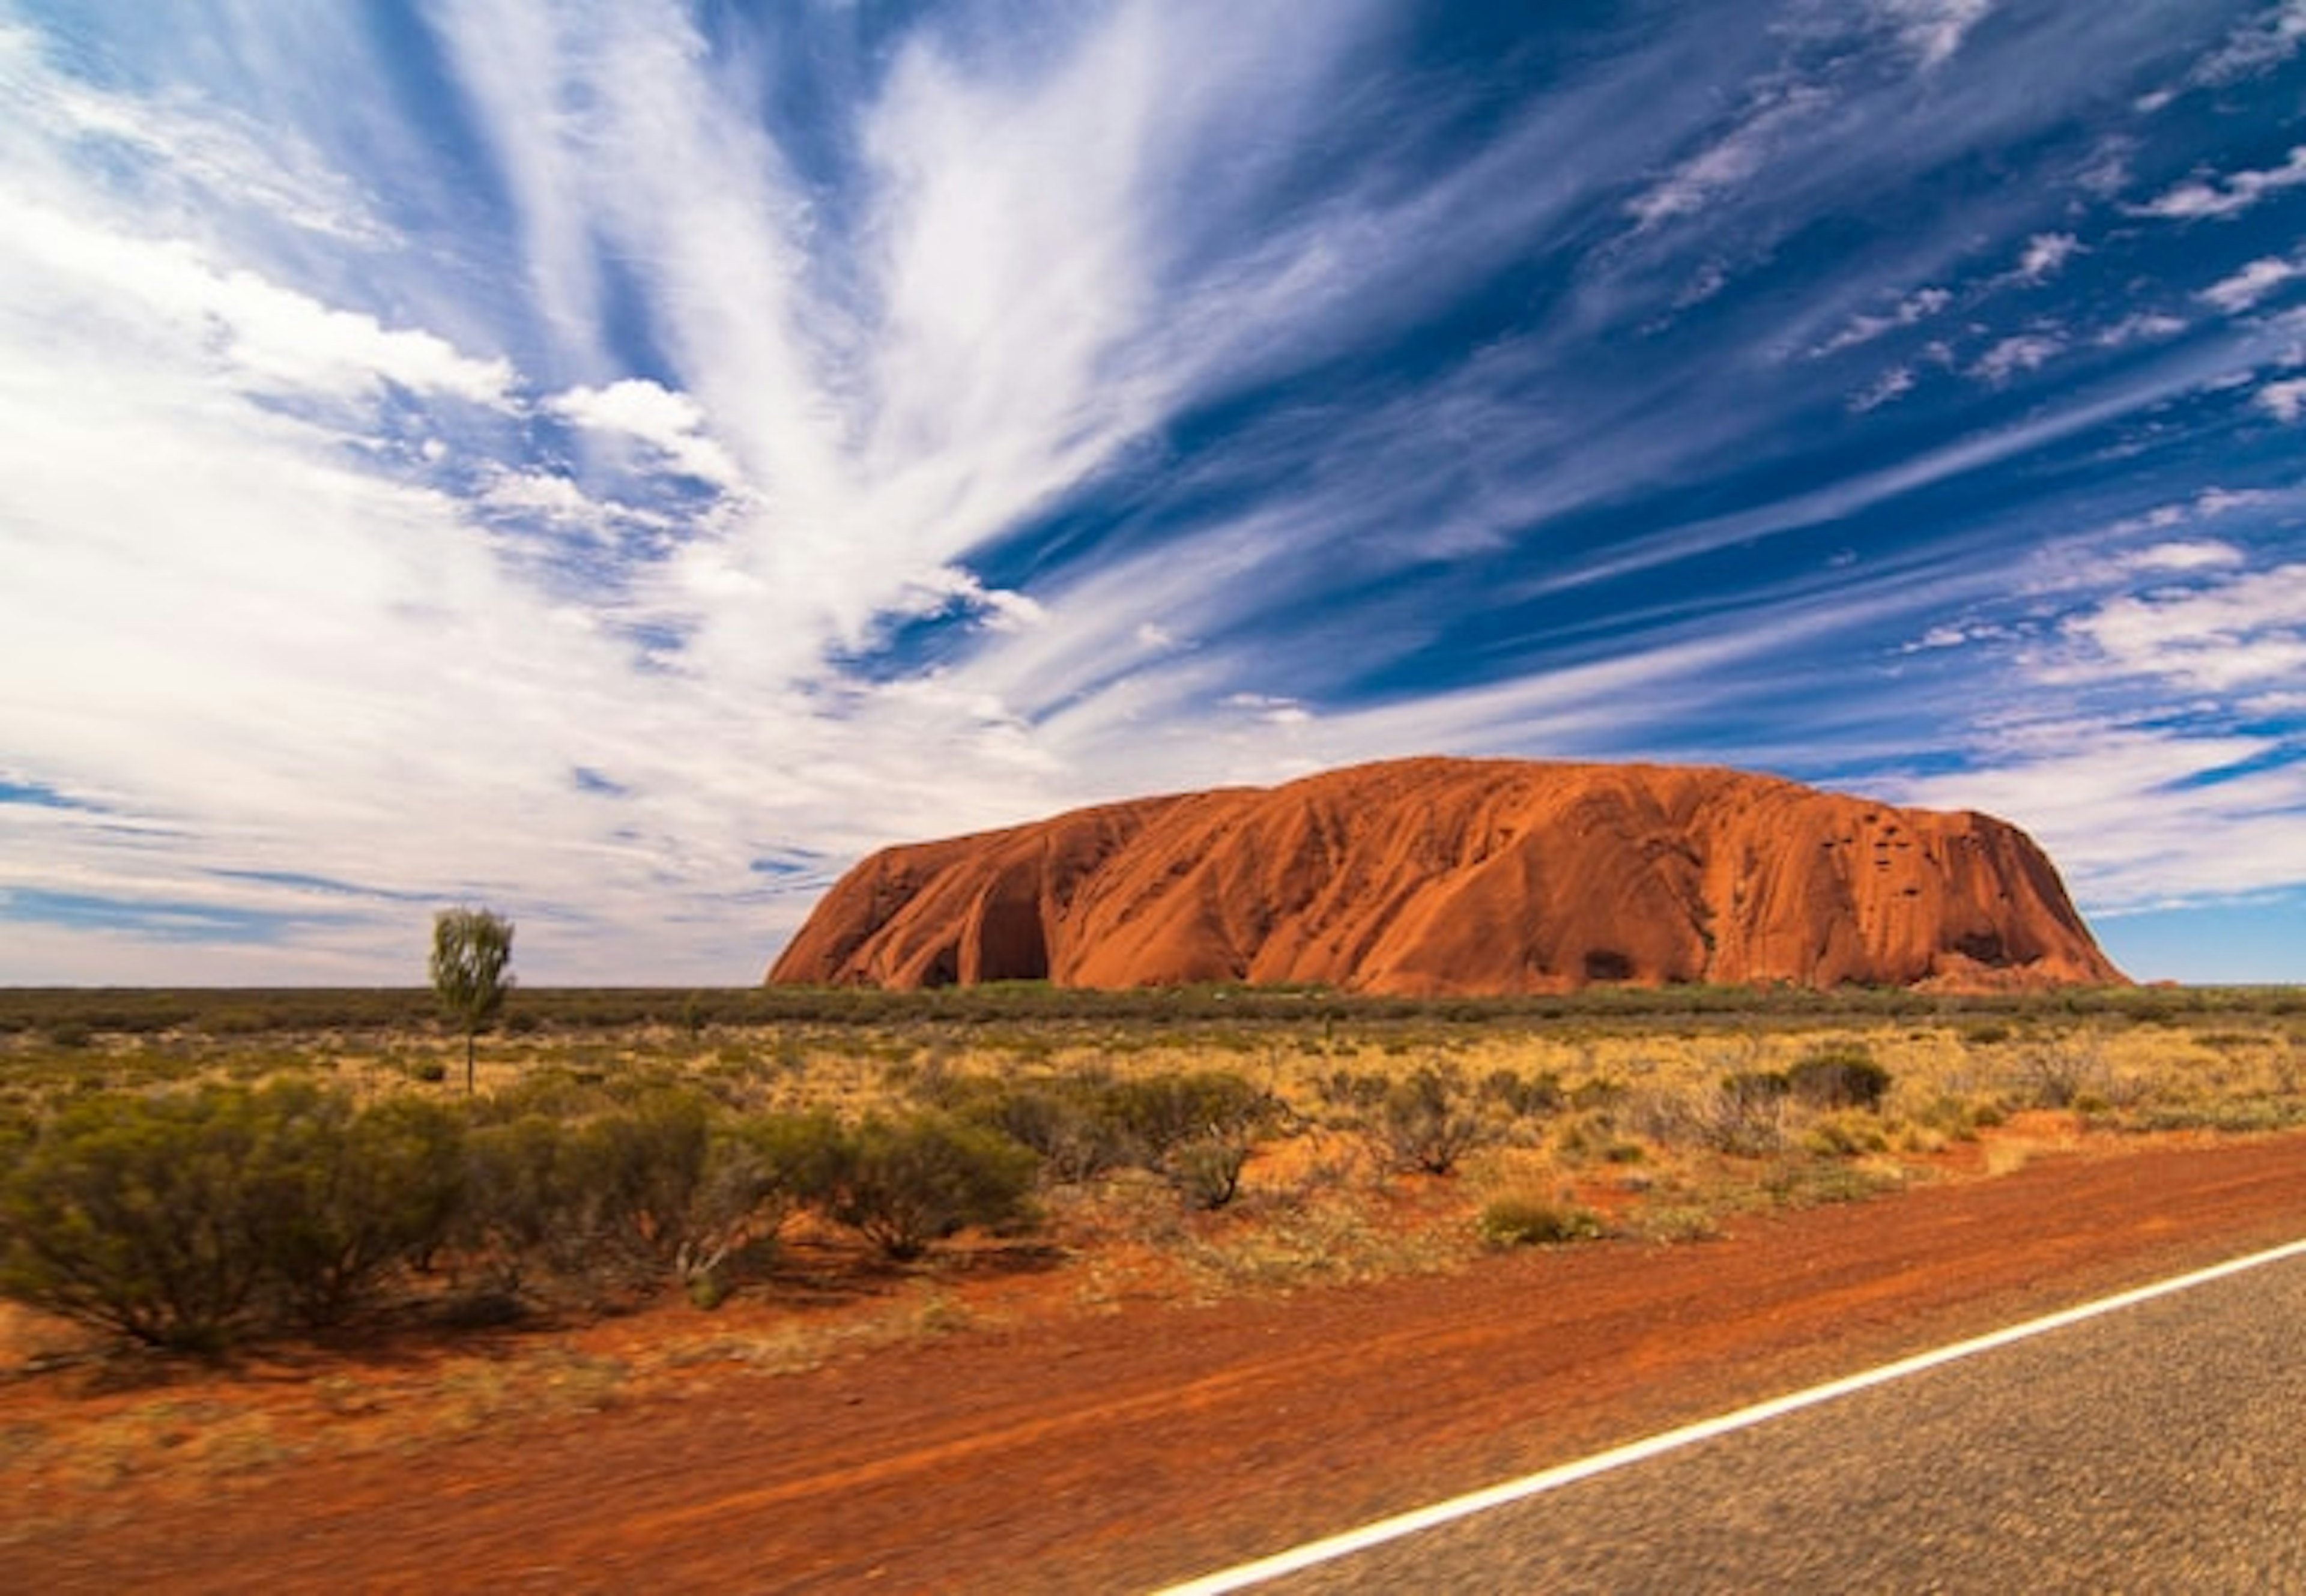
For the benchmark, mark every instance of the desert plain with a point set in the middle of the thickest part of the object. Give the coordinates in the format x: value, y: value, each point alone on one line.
x: 1380, y: 1226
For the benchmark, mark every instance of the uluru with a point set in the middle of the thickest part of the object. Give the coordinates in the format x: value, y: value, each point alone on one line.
x: 1438, y: 876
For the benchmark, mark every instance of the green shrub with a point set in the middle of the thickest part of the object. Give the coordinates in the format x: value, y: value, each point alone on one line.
x: 906, y: 1183
x: 1844, y: 1135
x: 527, y: 1202
x: 1745, y: 1115
x: 1525, y: 1096
x: 1755, y: 1088
x: 1157, y: 1112
x: 1071, y: 1124
x: 130, y: 1213
x: 1426, y: 1123
x: 341, y: 1197
x: 1597, y: 1092
x: 602, y: 1192
x: 180, y: 1218
x: 1207, y: 1170
x: 2059, y: 1071
x: 682, y: 1187
x: 1350, y: 1089
x: 1519, y: 1220
x: 1839, y: 1077
x: 643, y: 1167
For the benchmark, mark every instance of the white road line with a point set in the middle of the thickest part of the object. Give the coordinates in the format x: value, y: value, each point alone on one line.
x: 1333, y: 1547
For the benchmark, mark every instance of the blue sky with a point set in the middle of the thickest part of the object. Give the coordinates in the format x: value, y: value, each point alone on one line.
x: 620, y: 461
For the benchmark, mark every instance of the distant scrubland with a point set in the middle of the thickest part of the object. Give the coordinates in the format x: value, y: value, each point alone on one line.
x: 206, y: 1169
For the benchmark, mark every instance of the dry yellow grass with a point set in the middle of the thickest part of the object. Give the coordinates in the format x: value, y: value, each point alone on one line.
x: 1627, y: 1120
x: 1628, y: 1112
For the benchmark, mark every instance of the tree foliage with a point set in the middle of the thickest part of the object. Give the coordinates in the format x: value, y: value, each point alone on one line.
x: 472, y: 959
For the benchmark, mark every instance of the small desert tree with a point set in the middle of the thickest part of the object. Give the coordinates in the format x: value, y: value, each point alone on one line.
x: 471, y: 949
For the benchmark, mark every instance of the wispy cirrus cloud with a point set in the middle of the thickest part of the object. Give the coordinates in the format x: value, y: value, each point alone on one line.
x: 1911, y: 310
x: 673, y: 424
x: 2140, y: 325
x: 1732, y: 159
x: 2045, y: 254
x: 254, y: 332
x: 175, y: 154
x: 1934, y: 30
x: 2286, y: 397
x: 1892, y: 385
x: 2195, y: 554
x: 2237, y: 630
x: 2243, y: 290
x: 2228, y: 196
x: 2256, y: 46
x: 2127, y: 810
x: 613, y: 446
x: 2019, y: 352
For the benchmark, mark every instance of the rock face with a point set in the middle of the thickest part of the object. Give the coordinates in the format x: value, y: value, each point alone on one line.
x: 1431, y: 876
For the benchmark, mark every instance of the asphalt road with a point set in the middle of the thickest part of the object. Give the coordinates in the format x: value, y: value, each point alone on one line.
x: 2159, y: 1448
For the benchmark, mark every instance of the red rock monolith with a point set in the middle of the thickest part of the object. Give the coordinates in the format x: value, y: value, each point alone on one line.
x: 1428, y: 876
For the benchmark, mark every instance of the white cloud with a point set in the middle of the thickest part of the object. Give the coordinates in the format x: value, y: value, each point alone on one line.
x: 1918, y: 306
x: 1892, y: 384
x: 177, y: 159
x: 2215, y: 500
x: 522, y: 66
x: 1004, y: 611
x: 541, y: 493
x: 244, y: 637
x: 313, y: 633
x: 673, y: 423
x: 2139, y: 326
x: 2107, y: 173
x: 2242, y: 292
x: 2134, y: 817
x: 2229, y: 196
x: 2191, y: 554
x: 876, y: 402
x: 1270, y: 711
x: 1934, y: 30
x: 899, y: 384
x: 1813, y: 507
x: 1733, y: 158
x: 996, y: 609
x: 2045, y: 254
x: 2286, y: 398
x: 2199, y: 554
x: 281, y: 334
x: 2021, y: 352
x: 2153, y: 520
x: 2243, y: 631
x: 257, y: 333
x: 1940, y: 636
x: 2256, y: 47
